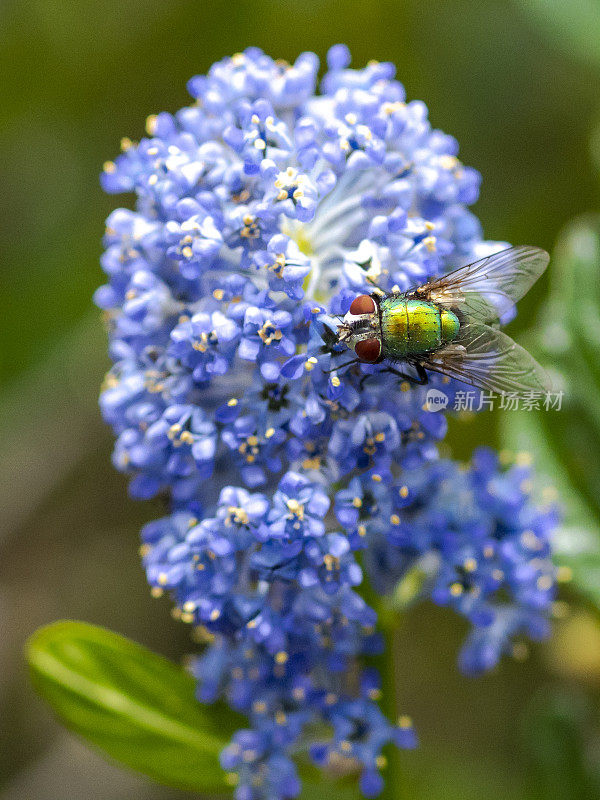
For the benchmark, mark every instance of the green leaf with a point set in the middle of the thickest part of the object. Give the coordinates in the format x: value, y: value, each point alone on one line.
x: 572, y: 26
x: 558, y: 738
x: 577, y: 544
x: 134, y: 705
x: 566, y: 442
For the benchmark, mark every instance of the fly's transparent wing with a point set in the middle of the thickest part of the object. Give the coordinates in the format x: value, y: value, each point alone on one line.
x: 488, y: 289
x: 489, y: 359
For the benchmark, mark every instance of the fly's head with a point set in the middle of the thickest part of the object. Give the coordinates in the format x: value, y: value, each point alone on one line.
x: 360, y: 329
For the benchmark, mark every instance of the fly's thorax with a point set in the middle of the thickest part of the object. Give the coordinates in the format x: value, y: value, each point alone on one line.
x: 411, y: 326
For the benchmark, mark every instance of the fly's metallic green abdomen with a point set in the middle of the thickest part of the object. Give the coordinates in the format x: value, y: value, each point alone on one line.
x: 411, y: 327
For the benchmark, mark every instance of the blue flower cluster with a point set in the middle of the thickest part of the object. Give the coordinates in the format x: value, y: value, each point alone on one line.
x: 261, y: 211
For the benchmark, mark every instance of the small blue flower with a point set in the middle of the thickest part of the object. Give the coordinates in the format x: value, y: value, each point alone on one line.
x: 366, y: 442
x: 256, y: 448
x: 265, y: 335
x: 285, y: 265
x: 273, y: 399
x: 330, y: 564
x: 195, y: 243
x: 299, y: 508
x: 204, y: 344
x: 364, y: 501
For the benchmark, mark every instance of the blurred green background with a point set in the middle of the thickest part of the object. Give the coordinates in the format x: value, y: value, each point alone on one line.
x: 518, y: 83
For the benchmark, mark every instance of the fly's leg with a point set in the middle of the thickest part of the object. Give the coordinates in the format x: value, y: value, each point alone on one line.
x: 421, y: 379
x: 350, y: 364
x: 341, y: 366
x: 365, y: 378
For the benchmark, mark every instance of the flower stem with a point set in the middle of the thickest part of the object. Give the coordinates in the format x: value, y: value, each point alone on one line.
x: 390, y: 621
x: 394, y: 782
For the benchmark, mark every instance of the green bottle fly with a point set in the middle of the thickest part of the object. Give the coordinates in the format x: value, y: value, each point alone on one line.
x: 450, y: 325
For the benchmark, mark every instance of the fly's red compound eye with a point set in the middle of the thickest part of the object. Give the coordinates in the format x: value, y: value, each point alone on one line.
x: 368, y: 349
x: 363, y: 304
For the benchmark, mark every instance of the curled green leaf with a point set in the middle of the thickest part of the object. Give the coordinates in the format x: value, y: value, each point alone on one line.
x: 571, y: 26
x: 134, y: 705
x: 566, y: 442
